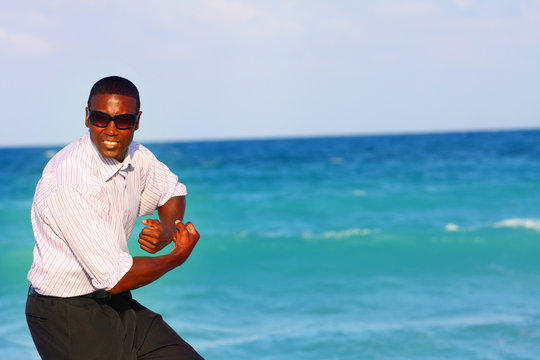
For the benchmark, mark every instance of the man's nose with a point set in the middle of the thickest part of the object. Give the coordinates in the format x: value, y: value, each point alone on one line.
x: 111, y: 128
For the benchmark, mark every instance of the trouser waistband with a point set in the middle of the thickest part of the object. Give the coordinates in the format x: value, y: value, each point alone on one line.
x: 98, y: 294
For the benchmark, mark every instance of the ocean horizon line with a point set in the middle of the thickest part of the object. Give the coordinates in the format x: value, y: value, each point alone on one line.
x: 294, y: 137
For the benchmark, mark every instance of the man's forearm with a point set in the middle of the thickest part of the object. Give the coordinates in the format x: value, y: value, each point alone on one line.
x: 146, y: 269
x: 171, y: 211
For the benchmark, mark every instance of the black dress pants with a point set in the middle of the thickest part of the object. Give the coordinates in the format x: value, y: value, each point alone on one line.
x: 115, y: 328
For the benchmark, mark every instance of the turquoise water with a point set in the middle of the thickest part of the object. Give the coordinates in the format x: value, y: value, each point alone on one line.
x: 384, y: 247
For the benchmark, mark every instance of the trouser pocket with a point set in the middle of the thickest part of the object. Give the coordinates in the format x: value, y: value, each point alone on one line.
x: 46, y: 321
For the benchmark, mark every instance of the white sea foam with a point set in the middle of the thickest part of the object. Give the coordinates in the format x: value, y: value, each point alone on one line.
x: 210, y: 164
x: 337, y: 234
x: 451, y: 227
x: 336, y: 160
x: 50, y: 153
x: 318, y: 329
x: 227, y: 341
x: 359, y: 192
x: 419, y: 325
x: 533, y: 224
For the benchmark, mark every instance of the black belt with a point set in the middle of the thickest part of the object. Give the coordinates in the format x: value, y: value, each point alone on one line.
x: 98, y: 294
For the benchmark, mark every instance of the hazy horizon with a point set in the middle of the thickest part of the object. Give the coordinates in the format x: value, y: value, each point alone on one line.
x: 288, y: 137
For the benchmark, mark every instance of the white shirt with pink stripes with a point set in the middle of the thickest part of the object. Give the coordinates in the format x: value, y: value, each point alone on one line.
x: 84, y: 211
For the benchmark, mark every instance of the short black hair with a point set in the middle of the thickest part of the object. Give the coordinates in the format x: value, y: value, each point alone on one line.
x: 115, y: 85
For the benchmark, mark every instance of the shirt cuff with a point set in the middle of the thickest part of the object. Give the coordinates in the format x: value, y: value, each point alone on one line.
x: 180, y: 190
x: 125, y: 262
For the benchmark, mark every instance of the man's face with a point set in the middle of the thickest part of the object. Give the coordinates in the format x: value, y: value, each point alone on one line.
x: 111, y: 142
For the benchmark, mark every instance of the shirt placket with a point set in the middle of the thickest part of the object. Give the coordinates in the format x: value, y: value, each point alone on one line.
x: 122, y: 199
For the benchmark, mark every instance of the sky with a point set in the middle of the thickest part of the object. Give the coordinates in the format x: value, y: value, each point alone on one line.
x: 230, y: 69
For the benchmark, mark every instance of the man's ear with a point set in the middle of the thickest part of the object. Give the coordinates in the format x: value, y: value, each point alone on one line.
x: 87, y: 123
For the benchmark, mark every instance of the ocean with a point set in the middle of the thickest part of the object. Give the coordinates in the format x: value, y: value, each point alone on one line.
x: 367, y: 247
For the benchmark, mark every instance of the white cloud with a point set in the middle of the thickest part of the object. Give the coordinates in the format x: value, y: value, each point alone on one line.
x: 23, y: 43
x: 237, y: 12
x: 464, y: 4
x: 409, y: 8
x: 233, y: 11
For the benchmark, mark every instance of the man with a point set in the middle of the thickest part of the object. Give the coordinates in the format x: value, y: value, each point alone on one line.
x: 79, y: 304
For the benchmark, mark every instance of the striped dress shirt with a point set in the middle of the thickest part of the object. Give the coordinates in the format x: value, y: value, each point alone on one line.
x: 83, y: 214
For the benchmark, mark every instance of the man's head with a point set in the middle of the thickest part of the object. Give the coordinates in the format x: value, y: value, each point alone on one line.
x: 113, y: 115
x: 115, y: 85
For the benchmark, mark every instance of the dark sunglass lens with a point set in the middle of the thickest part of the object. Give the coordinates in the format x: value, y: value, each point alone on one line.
x: 99, y: 119
x: 125, y: 121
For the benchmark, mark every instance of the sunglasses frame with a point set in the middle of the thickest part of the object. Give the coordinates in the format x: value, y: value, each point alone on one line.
x: 112, y: 118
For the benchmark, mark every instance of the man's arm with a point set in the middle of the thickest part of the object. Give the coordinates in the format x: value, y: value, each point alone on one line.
x: 146, y: 269
x: 158, y: 234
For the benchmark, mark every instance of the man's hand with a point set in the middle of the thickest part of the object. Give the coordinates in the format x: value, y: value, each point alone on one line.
x: 153, y: 238
x: 146, y: 269
x: 185, y: 238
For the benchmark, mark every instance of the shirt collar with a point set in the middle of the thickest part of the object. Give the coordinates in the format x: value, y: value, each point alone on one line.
x: 106, y: 168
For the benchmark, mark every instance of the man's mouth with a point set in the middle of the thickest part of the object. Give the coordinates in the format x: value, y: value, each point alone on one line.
x: 110, y: 144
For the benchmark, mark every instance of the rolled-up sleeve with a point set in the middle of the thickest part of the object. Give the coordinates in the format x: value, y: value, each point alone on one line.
x: 80, y: 217
x: 160, y: 184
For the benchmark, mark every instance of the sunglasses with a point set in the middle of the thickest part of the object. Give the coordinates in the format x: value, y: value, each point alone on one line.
x: 122, y: 121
